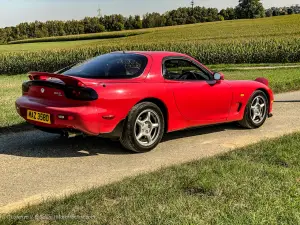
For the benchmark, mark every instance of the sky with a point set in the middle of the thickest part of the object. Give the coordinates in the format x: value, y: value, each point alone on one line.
x: 13, y: 12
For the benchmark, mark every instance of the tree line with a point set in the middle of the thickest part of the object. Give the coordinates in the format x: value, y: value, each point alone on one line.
x: 116, y: 22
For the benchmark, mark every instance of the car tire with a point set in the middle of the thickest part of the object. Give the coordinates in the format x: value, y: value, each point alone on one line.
x: 143, y: 128
x: 256, y: 111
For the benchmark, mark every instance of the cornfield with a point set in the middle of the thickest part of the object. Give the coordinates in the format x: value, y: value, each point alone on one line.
x: 269, y: 40
x: 104, y: 35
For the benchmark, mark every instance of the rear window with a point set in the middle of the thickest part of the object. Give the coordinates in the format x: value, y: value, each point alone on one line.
x: 110, y: 66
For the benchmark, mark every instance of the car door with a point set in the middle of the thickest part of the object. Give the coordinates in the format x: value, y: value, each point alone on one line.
x: 199, y: 98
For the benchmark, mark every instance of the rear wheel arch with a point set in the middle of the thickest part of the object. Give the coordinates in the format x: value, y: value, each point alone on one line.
x: 162, y: 107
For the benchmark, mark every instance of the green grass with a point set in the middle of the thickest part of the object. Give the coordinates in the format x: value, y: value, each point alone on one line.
x: 257, y: 184
x: 266, y: 40
x: 281, y: 80
x: 10, y: 91
x: 232, y: 67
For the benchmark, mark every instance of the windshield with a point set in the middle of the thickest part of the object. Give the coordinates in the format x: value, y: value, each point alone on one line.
x: 110, y: 66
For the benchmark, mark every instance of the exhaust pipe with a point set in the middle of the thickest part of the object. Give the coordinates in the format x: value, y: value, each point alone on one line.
x: 69, y: 134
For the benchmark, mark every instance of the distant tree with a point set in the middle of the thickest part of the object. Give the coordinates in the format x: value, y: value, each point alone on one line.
x: 282, y: 13
x: 231, y: 13
x: 276, y: 12
x: 228, y: 14
x: 224, y: 13
x: 220, y: 18
x: 118, y: 26
x: 191, y: 20
x: 3, y: 36
x: 153, y: 20
x: 213, y: 14
x: 269, y: 13
x: 113, y: 22
x: 129, y: 23
x: 169, y: 21
x: 249, y: 9
x: 92, y: 25
x: 138, y: 24
x: 290, y: 11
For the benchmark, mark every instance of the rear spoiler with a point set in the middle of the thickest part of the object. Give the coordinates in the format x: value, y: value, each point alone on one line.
x: 262, y: 80
x: 69, y: 80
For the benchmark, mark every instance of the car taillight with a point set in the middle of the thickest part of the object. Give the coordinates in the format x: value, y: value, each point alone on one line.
x: 78, y: 93
x: 25, y: 87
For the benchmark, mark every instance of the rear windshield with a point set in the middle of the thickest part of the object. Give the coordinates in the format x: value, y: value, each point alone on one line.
x: 110, y: 66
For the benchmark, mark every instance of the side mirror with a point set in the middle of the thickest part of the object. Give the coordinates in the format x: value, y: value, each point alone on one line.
x: 218, y: 77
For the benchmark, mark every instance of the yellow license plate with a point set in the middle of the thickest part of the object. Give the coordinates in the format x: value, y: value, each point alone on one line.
x: 38, y: 116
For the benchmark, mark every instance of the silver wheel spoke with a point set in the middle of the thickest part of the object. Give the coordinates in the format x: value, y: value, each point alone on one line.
x: 139, y: 136
x: 149, y: 139
x: 261, y: 111
x: 148, y: 116
x: 155, y: 125
x: 139, y: 122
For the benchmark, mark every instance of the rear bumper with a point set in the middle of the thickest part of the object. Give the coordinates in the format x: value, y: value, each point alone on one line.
x: 85, y: 118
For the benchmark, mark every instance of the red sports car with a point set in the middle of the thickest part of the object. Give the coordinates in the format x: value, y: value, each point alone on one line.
x: 138, y: 96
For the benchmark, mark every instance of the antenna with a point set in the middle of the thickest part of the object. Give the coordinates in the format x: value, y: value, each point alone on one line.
x: 99, y: 12
x: 193, y: 3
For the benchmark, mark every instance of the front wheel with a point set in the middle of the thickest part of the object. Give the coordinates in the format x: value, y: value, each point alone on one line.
x: 144, y: 128
x: 256, y: 111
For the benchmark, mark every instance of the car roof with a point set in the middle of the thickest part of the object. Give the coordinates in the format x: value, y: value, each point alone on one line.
x: 153, y: 53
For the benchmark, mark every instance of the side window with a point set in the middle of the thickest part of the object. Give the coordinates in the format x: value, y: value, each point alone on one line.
x: 180, y: 69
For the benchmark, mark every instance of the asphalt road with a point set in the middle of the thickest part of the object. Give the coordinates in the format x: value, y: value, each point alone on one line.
x: 36, y: 166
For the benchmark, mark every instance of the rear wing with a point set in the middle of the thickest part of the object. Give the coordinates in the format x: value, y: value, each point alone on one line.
x: 68, y: 80
x: 72, y: 87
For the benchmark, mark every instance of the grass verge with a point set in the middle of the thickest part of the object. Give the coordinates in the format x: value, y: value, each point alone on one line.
x: 257, y: 184
x: 281, y: 80
x: 10, y: 90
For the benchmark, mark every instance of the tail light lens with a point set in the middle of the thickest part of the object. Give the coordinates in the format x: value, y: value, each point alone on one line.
x: 84, y: 94
x: 72, y: 92
x: 25, y: 88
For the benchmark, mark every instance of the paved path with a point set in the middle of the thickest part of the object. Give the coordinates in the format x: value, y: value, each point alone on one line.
x: 35, y: 165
